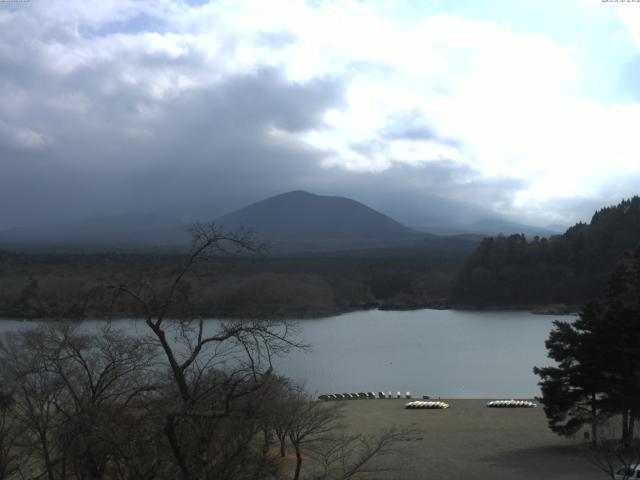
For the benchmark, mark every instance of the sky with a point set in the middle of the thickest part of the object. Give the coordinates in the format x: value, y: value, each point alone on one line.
x: 432, y: 112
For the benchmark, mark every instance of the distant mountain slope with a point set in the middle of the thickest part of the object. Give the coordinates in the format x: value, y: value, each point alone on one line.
x: 300, y: 215
x: 504, y: 227
x: 122, y: 230
x: 294, y: 223
x: 569, y: 268
x: 493, y: 227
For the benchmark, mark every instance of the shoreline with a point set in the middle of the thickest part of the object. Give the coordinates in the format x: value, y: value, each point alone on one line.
x: 545, y: 310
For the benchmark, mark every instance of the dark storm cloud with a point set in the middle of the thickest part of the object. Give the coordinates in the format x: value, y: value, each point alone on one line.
x: 215, y: 142
x: 208, y: 145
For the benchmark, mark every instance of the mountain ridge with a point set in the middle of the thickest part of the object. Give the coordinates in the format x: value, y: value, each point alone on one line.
x: 109, y: 230
x: 296, y: 221
x: 299, y: 215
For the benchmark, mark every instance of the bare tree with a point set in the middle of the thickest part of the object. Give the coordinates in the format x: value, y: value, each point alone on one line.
x: 613, y: 454
x: 341, y: 457
x: 70, y: 389
x: 37, y: 392
x: 310, y: 422
x: 218, y: 371
x: 315, y: 432
x: 104, y: 375
x: 10, y: 456
x: 279, y: 419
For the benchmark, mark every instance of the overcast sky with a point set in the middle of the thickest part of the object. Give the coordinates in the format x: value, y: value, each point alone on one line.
x: 427, y: 111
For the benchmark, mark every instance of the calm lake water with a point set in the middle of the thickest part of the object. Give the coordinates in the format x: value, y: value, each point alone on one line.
x: 446, y: 353
x: 442, y: 353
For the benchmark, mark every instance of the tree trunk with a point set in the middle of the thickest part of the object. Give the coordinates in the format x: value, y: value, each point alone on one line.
x: 178, y: 373
x: 283, y: 451
x: 266, y: 442
x: 170, y: 432
x: 48, y: 464
x: 298, y: 461
x: 594, y: 421
x: 625, y: 428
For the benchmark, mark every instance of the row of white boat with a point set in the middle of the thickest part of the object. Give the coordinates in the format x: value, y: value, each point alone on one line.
x: 511, y: 404
x: 421, y: 404
x: 366, y: 396
x: 424, y: 403
x: 492, y: 404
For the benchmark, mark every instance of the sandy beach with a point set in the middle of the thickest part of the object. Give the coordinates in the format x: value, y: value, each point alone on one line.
x: 470, y: 441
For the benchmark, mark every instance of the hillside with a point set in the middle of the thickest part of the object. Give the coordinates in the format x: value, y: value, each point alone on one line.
x: 302, y: 223
x: 569, y: 268
x: 300, y: 215
x: 492, y: 227
x: 131, y: 230
x: 504, y: 227
x: 294, y: 223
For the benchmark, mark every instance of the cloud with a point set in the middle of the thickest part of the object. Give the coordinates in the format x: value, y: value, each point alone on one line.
x: 21, y: 138
x: 630, y: 17
x: 141, y: 105
x: 210, y: 144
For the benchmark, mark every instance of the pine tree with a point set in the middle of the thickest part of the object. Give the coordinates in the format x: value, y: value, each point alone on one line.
x: 572, y: 391
x: 598, y: 359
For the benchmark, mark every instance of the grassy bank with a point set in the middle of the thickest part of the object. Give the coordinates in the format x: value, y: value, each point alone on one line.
x: 470, y: 441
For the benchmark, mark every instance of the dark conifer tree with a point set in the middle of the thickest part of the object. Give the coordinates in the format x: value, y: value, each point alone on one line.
x: 572, y: 391
x: 598, y: 359
x: 572, y: 268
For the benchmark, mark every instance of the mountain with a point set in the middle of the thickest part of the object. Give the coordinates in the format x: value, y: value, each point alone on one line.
x: 494, y: 226
x: 505, y: 227
x: 556, y: 227
x: 301, y: 216
x: 121, y: 231
x: 297, y: 223
x: 570, y: 268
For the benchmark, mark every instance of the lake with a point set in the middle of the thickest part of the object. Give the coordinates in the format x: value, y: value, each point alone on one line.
x: 442, y: 353
x: 446, y: 353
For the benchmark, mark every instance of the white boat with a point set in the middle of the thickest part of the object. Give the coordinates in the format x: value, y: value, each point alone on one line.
x: 427, y: 405
x: 511, y: 404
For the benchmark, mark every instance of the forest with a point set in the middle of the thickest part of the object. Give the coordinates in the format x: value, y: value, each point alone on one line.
x: 513, y: 271
x: 77, y: 285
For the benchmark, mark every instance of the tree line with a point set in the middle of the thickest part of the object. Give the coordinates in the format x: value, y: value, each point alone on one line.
x: 66, y: 285
x: 570, y: 268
